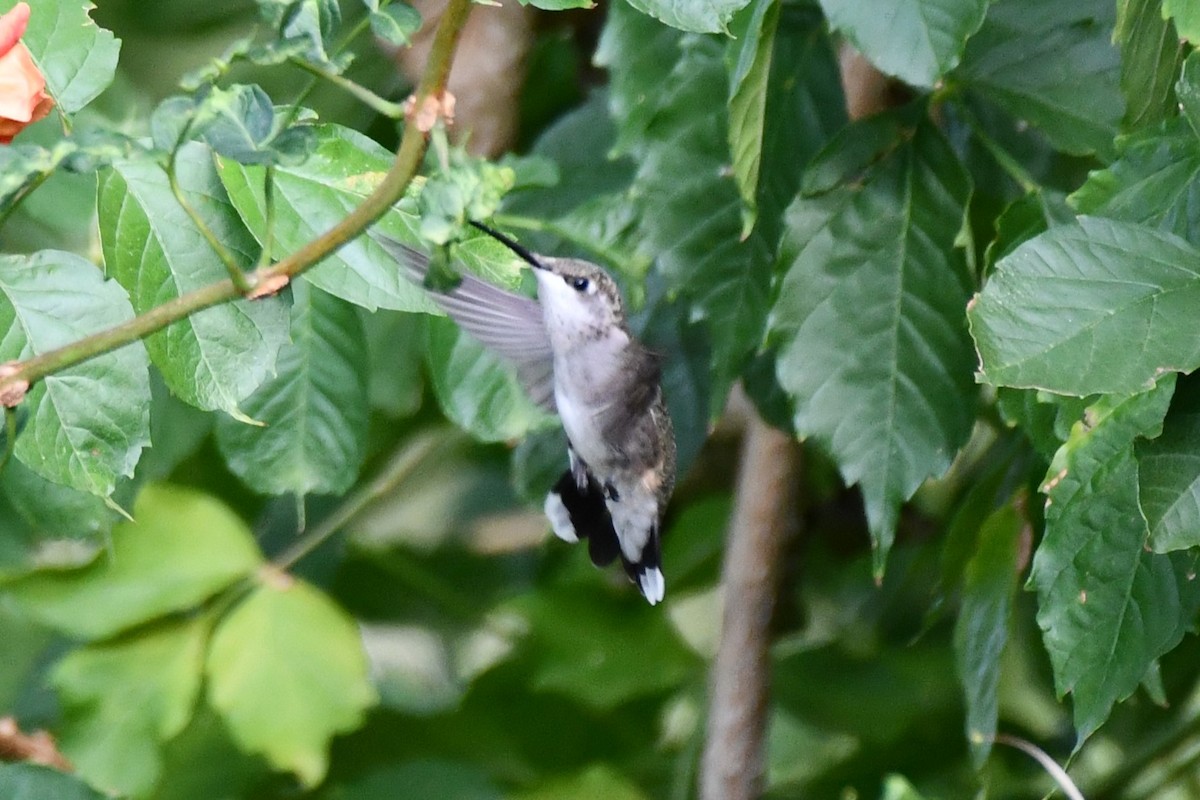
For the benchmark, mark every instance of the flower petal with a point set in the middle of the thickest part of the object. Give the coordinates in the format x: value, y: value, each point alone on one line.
x: 12, y: 26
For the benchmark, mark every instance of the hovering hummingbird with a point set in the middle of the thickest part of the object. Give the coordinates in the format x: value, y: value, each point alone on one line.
x: 575, y: 356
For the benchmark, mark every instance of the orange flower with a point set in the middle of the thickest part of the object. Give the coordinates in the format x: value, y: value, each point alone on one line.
x: 23, y: 97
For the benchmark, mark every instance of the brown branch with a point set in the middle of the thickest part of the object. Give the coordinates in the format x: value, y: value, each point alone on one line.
x: 38, y: 747
x: 764, y: 512
x: 268, y: 279
x: 763, y: 517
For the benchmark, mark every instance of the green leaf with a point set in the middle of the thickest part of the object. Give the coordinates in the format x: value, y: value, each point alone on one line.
x: 54, y: 510
x: 897, y: 787
x: 21, y: 167
x: 1107, y: 606
x: 34, y: 782
x: 395, y: 343
x: 78, y: 58
x: 750, y: 57
x: 475, y: 389
x: 594, y: 782
x: 215, y: 358
x: 559, y: 5
x: 25, y: 644
x: 87, y: 423
x: 917, y: 41
x: 464, y: 188
x: 396, y: 24
x: 1186, y: 16
x: 639, y: 54
x: 312, y: 197
x: 1097, y: 306
x: 692, y: 212
x: 581, y: 647
x: 1188, y: 89
x: 311, y: 23
x: 239, y: 123
x: 1150, y: 56
x: 183, y: 548
x: 287, y: 672
x: 981, y: 630
x: 314, y: 410
x: 125, y: 697
x: 1154, y: 181
x: 1024, y: 218
x: 1169, y: 474
x: 868, y: 320
x: 444, y: 780
x: 690, y: 215
x: 697, y: 16
x: 1052, y: 65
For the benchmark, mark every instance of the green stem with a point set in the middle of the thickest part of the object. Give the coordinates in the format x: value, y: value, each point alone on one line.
x: 10, y: 436
x: 391, y: 188
x: 25, y: 192
x: 264, y: 257
x: 236, y: 274
x: 364, y: 95
x: 401, y: 465
x: 1005, y: 159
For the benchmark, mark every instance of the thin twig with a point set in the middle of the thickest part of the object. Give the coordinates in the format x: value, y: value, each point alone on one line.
x: 236, y: 274
x: 361, y: 93
x: 1051, y: 766
x: 402, y: 464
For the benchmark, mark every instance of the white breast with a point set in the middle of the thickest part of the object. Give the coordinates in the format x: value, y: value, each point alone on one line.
x: 585, y: 384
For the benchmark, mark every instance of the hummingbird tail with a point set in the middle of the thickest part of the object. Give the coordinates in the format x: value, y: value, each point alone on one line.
x: 576, y: 513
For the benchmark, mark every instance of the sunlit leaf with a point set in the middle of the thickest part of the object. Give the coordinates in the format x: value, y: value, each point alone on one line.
x: 286, y: 671
x: 87, y: 423
x: 751, y: 69
x: 312, y: 197
x: 1186, y: 17
x: 35, y: 782
x: 214, y: 358
x: 125, y: 697
x: 183, y: 548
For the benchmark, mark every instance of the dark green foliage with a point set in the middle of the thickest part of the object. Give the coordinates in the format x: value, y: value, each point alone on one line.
x: 292, y: 546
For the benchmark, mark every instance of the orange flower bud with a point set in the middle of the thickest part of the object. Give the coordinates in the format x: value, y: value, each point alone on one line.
x: 23, y: 97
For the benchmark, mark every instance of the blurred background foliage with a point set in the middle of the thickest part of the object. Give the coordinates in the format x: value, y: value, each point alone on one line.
x: 499, y: 663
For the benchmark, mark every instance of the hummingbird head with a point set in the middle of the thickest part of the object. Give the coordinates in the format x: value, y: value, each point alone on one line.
x: 578, y: 298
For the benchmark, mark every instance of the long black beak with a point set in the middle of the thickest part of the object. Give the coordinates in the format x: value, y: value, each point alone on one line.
x: 511, y: 244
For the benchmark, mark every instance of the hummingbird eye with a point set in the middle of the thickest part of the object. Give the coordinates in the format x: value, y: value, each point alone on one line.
x: 578, y: 284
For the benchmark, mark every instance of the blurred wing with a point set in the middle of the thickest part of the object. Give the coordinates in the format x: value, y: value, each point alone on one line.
x: 506, y: 323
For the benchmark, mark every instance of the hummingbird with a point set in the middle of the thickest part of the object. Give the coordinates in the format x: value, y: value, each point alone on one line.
x: 575, y: 356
